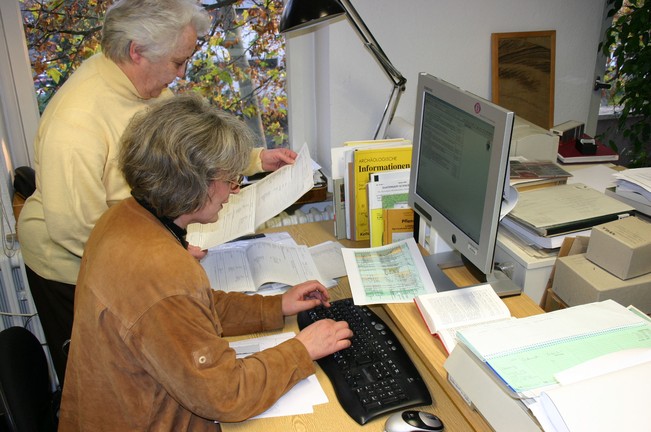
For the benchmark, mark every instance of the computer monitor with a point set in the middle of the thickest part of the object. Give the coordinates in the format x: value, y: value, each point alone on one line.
x: 459, y: 175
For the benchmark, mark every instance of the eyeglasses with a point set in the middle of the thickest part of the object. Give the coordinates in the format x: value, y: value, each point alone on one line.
x: 237, y: 183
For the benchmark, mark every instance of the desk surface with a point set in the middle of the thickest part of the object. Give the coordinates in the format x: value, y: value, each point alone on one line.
x: 426, y: 352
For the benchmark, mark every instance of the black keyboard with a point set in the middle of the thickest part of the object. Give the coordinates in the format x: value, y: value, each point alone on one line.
x: 375, y: 375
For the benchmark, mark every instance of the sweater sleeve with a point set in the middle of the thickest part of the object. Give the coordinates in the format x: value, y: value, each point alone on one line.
x: 243, y: 314
x: 255, y: 163
x: 180, y: 348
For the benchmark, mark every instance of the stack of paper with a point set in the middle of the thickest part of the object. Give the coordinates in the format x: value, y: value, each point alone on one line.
x: 526, y: 354
x: 301, y: 398
x: 583, y: 368
x: 634, y: 186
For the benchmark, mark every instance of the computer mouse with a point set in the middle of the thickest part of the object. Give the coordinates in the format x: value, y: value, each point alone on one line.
x: 412, y: 421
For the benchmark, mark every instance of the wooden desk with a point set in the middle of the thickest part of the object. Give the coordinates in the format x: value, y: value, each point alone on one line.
x: 426, y: 352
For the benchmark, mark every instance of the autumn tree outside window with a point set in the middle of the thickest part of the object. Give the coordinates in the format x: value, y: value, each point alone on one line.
x: 239, y: 65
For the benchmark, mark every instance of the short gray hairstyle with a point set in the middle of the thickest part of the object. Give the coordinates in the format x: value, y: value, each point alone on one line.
x: 154, y: 25
x: 172, y: 151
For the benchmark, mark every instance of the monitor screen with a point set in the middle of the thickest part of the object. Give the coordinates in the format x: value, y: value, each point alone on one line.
x: 459, y: 167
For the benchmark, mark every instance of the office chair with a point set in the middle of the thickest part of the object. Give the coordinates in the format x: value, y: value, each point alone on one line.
x: 25, y: 391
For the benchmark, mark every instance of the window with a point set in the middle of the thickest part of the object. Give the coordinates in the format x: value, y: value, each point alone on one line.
x: 239, y: 66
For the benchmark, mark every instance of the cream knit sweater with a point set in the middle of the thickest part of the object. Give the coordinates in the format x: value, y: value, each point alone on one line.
x: 77, y: 175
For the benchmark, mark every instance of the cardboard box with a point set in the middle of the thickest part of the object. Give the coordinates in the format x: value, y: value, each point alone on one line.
x: 578, y: 280
x: 622, y: 247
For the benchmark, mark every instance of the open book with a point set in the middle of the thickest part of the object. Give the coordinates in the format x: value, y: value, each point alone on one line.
x: 246, y: 266
x: 447, y: 312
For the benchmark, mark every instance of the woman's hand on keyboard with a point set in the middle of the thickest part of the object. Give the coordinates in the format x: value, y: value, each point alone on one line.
x: 325, y: 337
x: 307, y: 295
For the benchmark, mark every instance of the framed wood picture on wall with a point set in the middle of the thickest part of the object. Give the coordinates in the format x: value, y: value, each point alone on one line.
x: 523, y: 65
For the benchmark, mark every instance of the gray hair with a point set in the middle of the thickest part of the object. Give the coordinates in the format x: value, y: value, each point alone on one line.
x: 171, y: 152
x: 154, y: 25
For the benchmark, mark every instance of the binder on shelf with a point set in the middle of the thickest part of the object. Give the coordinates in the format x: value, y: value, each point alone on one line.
x: 339, y: 207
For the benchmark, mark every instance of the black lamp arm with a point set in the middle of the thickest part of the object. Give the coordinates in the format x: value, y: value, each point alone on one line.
x: 399, y: 81
x: 372, y: 44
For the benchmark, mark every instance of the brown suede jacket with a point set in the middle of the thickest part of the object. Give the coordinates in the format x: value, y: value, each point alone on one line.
x: 147, y: 352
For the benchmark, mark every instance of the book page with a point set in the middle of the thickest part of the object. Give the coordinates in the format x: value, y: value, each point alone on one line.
x: 463, y: 307
x: 530, y: 372
x: 448, y: 312
x: 273, y: 262
x: 527, y: 353
x: 283, y: 187
x: 228, y: 270
x: 236, y: 218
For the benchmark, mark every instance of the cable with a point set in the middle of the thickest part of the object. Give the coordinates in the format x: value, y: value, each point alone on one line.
x: 9, y: 244
x: 31, y: 315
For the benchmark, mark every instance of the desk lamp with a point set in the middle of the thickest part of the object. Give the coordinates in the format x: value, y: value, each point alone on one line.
x: 300, y: 14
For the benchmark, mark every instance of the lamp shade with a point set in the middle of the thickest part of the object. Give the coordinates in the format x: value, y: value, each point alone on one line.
x: 299, y: 14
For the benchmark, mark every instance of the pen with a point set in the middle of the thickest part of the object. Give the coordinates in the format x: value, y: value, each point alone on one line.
x: 247, y: 237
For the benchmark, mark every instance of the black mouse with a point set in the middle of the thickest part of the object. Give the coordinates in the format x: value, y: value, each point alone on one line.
x: 412, y: 421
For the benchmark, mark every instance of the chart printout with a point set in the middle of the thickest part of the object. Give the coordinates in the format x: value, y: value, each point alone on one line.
x: 394, y: 273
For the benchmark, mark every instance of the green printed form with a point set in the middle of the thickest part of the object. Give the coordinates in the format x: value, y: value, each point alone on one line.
x: 533, y: 368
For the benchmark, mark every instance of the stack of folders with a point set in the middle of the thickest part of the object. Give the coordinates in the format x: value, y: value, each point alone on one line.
x: 581, y: 368
x: 544, y: 217
x: 352, y: 167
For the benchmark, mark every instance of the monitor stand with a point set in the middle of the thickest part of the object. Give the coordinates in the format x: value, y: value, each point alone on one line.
x: 438, y: 262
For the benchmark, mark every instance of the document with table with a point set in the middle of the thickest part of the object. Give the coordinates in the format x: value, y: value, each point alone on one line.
x: 395, y: 273
x: 257, y: 203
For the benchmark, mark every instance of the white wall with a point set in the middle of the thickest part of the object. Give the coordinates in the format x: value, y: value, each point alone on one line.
x: 339, y: 94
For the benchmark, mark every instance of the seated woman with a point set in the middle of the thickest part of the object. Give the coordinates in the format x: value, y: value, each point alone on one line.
x: 147, y: 351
